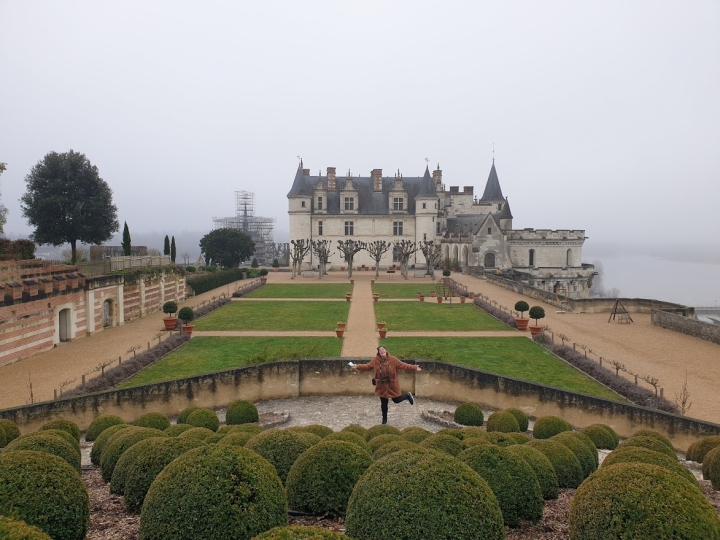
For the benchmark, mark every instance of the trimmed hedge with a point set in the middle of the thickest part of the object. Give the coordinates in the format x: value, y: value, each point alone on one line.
x: 322, y: 478
x: 698, y: 449
x: 204, y: 418
x: 472, y: 432
x: 443, y: 443
x: 392, y: 447
x: 512, y: 480
x: 100, y: 424
x: 501, y: 439
x: 10, y: 430
x: 415, y: 434
x: 207, y: 282
x: 541, y: 466
x: 521, y: 417
x: 548, y: 426
x: 354, y: 428
x: 47, y: 443
x: 469, y: 414
x: 348, y: 436
x: 381, y: 429
x: 567, y: 467
x: 235, y: 494
x: 650, y: 443
x: 280, y: 447
x: 637, y: 454
x: 120, y: 473
x: 119, y: 443
x: 153, y: 420
x: 241, y: 412
x: 299, y: 532
x: 422, y: 494
x: 176, y: 429
x: 64, y: 435
x: 711, y: 467
x: 237, y: 438
x: 64, y: 425
x: 44, y: 491
x: 102, y: 440
x: 587, y: 458
x: 503, y: 422
x: 602, y: 436
x: 183, y: 416
x: 12, y: 529
x: 317, y: 429
x: 638, y: 500
x: 197, y: 434
x: 376, y: 442
x: 659, y: 436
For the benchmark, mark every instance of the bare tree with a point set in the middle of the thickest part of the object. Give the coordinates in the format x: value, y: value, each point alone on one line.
x: 682, y: 399
x: 652, y: 381
x: 300, y: 248
x: 350, y: 248
x: 321, y: 248
x: 377, y: 249
x: 403, y: 249
x: 618, y: 366
x: 433, y: 256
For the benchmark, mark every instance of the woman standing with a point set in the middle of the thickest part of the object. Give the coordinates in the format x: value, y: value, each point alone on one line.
x: 387, y: 386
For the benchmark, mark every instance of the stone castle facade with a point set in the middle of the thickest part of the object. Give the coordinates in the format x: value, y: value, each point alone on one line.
x: 474, y: 234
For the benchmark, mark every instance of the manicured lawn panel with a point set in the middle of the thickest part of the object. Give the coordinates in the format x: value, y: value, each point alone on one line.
x: 518, y: 357
x: 301, y: 315
x: 208, y: 354
x: 404, y: 290
x: 302, y: 290
x: 413, y: 316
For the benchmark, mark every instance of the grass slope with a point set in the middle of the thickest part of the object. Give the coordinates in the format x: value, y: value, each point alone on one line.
x: 304, y: 315
x: 302, y: 290
x: 407, y: 316
x: 404, y: 290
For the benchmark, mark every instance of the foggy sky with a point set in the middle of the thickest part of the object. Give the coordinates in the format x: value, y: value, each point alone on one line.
x: 605, y: 116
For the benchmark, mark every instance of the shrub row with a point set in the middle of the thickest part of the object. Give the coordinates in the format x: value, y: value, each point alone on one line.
x: 500, y: 315
x: 208, y: 282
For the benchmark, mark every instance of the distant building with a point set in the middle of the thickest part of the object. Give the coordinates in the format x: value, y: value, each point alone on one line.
x: 474, y: 234
x: 260, y: 229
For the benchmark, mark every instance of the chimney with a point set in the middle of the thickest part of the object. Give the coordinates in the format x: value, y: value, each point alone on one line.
x: 468, y: 190
x: 332, y: 185
x: 437, y: 177
x: 306, y: 172
x: 377, y: 180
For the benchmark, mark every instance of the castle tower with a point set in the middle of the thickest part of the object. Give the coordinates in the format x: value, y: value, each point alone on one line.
x: 426, y: 208
x: 299, y: 205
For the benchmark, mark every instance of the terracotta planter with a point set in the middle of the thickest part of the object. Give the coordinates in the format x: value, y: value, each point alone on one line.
x: 341, y: 326
x: 359, y: 268
x: 375, y: 297
x: 462, y: 299
x: 339, y: 333
x: 372, y: 268
x: 352, y: 281
x: 348, y: 296
x: 471, y: 296
x: 535, y: 331
x: 275, y: 269
x: 372, y: 282
x: 263, y: 279
x: 170, y: 323
x: 342, y: 268
x: 439, y: 299
x: 383, y: 333
x: 522, y: 324
x: 432, y: 294
x: 381, y: 325
x: 188, y: 329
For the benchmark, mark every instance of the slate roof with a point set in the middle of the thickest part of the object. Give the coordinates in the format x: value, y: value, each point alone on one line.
x: 505, y: 213
x: 300, y: 188
x: 492, y: 187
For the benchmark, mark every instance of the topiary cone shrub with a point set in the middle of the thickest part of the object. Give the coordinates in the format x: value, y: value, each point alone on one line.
x: 602, y: 436
x: 64, y: 425
x: 547, y: 426
x: 567, y: 467
x: 44, y: 491
x: 119, y: 443
x: 503, y: 422
x: 12, y: 529
x: 100, y: 424
x: 521, y: 418
x: 205, y: 418
x: 235, y: 494
x: 47, y: 443
x: 469, y: 414
x: 102, y: 440
x: 322, y: 478
x: 280, y: 447
x: 638, y: 500
x: 541, y: 466
x: 153, y: 420
x: 241, y: 412
x: 11, y: 430
x: 637, y: 454
x: 512, y: 480
x: 299, y: 532
x: 422, y: 494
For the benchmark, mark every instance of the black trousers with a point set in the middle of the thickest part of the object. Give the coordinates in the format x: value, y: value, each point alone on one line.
x: 384, y: 403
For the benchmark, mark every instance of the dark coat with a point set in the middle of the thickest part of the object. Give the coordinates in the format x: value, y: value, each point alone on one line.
x: 386, y: 371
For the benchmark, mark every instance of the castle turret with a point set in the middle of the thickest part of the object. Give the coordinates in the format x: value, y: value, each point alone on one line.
x: 493, y: 193
x: 300, y: 205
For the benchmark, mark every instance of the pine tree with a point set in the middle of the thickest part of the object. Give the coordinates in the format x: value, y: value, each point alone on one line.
x: 173, y: 250
x: 127, y: 248
x: 166, y: 247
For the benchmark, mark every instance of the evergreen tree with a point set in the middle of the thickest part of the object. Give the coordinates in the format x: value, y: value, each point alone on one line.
x: 127, y: 248
x: 173, y: 250
x: 166, y: 247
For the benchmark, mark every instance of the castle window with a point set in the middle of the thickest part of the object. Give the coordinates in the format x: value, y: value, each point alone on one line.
x: 437, y: 228
x: 319, y: 203
x: 302, y: 204
x: 500, y: 206
x: 349, y: 203
x: 424, y: 206
x: 489, y: 230
x: 397, y: 228
x: 398, y: 203
x: 349, y: 228
x: 531, y: 257
x: 397, y: 254
x: 320, y: 228
x: 568, y: 261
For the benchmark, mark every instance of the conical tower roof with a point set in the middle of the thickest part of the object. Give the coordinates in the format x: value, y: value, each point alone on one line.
x: 300, y: 187
x: 505, y: 213
x: 492, y: 191
x: 427, y: 186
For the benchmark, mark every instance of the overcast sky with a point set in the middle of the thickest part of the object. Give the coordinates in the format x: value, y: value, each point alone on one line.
x: 605, y: 115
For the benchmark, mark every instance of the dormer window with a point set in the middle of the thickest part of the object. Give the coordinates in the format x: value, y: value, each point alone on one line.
x: 500, y: 206
x: 398, y: 203
x: 319, y: 203
x: 349, y: 203
x: 489, y: 230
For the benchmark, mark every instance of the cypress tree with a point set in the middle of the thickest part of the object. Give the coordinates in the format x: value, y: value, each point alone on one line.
x: 127, y: 249
x: 166, y: 247
x: 173, y: 250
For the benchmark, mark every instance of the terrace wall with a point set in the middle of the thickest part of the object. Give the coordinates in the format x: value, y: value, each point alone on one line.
x: 685, y: 325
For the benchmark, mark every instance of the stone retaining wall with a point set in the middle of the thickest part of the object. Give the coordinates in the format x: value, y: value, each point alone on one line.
x: 307, y: 377
x: 685, y: 325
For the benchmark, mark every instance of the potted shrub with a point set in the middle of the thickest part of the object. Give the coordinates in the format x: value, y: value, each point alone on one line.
x: 522, y: 306
x: 275, y: 265
x: 381, y: 325
x: 446, y: 272
x: 382, y: 332
x: 421, y: 297
x: 462, y: 299
x: 263, y: 275
x: 339, y: 331
x: 439, y: 299
x: 537, y: 313
x: 375, y: 297
x: 170, y: 308
x: 186, y: 315
x: 348, y: 296
x: 341, y: 325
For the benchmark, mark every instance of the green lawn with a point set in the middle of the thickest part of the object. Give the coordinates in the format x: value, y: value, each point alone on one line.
x: 406, y: 316
x: 208, y: 354
x: 518, y: 357
x: 303, y: 290
x: 301, y: 315
x: 404, y: 290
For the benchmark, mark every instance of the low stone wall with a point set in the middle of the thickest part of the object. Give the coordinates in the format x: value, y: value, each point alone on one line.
x: 685, y: 325
x: 307, y: 377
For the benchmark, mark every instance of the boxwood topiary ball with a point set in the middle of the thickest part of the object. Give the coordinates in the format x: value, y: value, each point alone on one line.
x: 12, y: 432
x: 468, y: 414
x: 177, y: 429
x: 415, y: 434
x: 241, y: 412
x: 652, y: 433
x: 698, y: 449
x: 235, y: 494
x: 588, y: 459
x: 280, y: 447
x: 322, y: 478
x: 519, y: 438
x: 501, y: 439
x: 64, y: 435
x: 48, y: 443
x: 317, y: 429
x: 380, y: 440
x: 638, y: 500
x: 197, y: 433
x: 44, y: 491
x: 422, y: 494
x: 356, y: 429
x: 300, y: 532
x: 453, y: 432
x: 348, y: 436
x: 512, y: 480
x: 153, y: 420
x: 473, y: 433
x: 204, y: 418
x: 542, y: 468
x: 12, y: 529
x: 502, y: 421
x: 547, y: 426
x: 521, y: 417
x: 120, y: 473
x: 239, y: 438
x: 443, y: 443
x: 249, y: 428
x: 65, y: 425
x: 381, y: 429
x: 648, y: 442
x: 102, y: 440
x: 120, y: 442
x: 392, y: 447
x: 100, y: 424
x: 601, y: 436
x: 476, y: 441
x: 567, y: 467
x: 183, y: 416
x: 711, y: 467
x: 3, y: 437
x: 149, y: 457
x: 638, y: 454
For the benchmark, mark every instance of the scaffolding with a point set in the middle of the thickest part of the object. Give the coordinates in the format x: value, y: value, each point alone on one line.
x: 260, y: 229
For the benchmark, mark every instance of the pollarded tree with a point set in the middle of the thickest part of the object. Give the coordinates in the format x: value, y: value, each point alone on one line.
x: 67, y: 201
x: 321, y: 248
x: 376, y: 249
x: 300, y: 248
x: 350, y: 248
x: 126, y: 243
x: 403, y: 250
x: 433, y: 256
x: 225, y: 247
